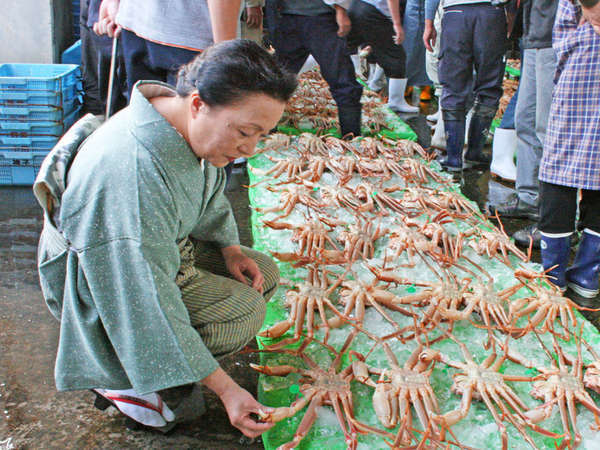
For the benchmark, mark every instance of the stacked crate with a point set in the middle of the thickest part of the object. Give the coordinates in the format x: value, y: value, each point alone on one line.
x: 38, y: 103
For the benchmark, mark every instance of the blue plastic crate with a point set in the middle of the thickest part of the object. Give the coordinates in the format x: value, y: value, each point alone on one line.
x: 39, y: 77
x: 38, y: 127
x: 24, y: 154
x: 40, y: 142
x: 18, y: 97
x: 39, y: 112
x: 19, y: 172
x: 72, y: 55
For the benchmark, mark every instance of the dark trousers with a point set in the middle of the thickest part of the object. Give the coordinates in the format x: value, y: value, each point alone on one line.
x: 95, y: 68
x: 558, y: 208
x: 371, y: 27
x: 473, y: 37
x: 296, y: 37
x: 146, y: 60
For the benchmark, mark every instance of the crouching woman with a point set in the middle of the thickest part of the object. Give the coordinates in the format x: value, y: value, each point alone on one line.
x: 139, y: 258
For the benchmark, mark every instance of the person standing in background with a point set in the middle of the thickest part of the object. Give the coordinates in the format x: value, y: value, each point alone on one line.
x: 252, y: 21
x: 473, y: 37
x: 531, y: 117
x: 299, y: 28
x: 95, y: 64
x: 414, y: 26
x: 378, y: 23
x: 158, y: 37
x: 570, y: 166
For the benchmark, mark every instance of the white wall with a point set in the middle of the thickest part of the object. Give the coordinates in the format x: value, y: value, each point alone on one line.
x: 34, y: 31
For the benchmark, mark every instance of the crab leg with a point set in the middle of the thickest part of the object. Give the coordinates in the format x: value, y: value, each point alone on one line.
x: 306, y: 423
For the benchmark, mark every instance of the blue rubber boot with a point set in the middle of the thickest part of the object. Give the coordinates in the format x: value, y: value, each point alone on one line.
x: 455, y: 140
x: 582, y: 276
x: 555, y: 252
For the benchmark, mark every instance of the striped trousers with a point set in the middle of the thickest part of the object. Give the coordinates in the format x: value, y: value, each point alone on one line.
x: 226, y: 313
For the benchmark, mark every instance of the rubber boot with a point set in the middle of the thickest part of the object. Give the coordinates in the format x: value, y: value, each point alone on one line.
x: 555, y: 252
x: 582, y: 276
x: 435, y: 116
x: 396, y: 100
x: 503, y: 152
x: 356, y: 63
x: 376, y: 80
x: 350, y: 120
x: 438, y: 114
x: 454, y: 124
x: 438, y: 140
x: 309, y: 64
x: 478, y: 132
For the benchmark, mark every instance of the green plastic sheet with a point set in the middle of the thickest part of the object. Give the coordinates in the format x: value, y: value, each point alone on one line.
x: 477, y: 429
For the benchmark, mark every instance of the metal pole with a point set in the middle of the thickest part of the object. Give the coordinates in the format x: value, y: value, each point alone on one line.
x: 111, y: 77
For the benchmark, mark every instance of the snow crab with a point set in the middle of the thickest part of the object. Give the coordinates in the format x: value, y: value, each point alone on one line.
x: 397, y: 389
x: 312, y: 236
x: 547, y: 303
x: 359, y: 240
x: 493, y: 243
x: 484, y: 381
x: 310, y: 295
x: 290, y: 196
x: 320, y: 387
x: 559, y: 386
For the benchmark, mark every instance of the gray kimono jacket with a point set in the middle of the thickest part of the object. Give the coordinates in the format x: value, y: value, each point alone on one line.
x: 108, y: 254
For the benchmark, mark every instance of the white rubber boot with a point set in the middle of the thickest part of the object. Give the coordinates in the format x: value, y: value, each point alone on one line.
x: 356, y: 63
x: 309, y: 64
x: 438, y: 140
x: 435, y: 116
x: 503, y: 152
x: 376, y: 80
x: 438, y: 114
x: 396, y: 100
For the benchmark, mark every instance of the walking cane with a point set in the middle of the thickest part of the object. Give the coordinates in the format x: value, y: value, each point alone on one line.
x: 111, y: 77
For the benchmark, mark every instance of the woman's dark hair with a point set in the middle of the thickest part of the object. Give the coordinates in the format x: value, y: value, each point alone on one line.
x: 225, y: 72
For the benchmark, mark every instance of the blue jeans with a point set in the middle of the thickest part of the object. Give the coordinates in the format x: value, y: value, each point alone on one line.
x: 531, y: 116
x: 414, y: 26
x: 508, y: 118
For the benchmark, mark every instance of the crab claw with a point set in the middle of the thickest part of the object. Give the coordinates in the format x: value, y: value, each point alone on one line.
x: 276, y: 330
x: 277, y: 371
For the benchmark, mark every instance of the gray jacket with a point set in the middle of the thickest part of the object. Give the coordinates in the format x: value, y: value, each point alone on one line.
x: 538, y: 20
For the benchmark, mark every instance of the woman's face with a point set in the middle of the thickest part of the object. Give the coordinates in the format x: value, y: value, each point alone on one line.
x: 221, y: 134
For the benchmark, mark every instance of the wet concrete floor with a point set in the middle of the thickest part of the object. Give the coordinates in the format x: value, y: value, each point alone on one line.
x: 33, y: 415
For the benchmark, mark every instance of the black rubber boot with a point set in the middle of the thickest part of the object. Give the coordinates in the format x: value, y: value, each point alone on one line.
x: 350, y: 121
x: 454, y: 124
x: 478, y: 133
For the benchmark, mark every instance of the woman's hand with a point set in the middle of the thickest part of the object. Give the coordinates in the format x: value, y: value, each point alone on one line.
x: 239, y: 404
x: 239, y: 266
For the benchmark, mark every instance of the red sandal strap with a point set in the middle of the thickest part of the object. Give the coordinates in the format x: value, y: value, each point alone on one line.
x: 134, y: 401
